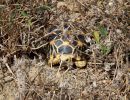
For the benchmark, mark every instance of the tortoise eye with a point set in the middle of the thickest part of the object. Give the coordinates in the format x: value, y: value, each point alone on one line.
x: 65, y: 49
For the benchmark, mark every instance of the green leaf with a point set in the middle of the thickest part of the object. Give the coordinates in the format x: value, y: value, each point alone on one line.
x: 43, y: 8
x: 29, y: 22
x: 96, y: 36
x: 103, y: 31
x: 105, y: 49
x: 24, y: 14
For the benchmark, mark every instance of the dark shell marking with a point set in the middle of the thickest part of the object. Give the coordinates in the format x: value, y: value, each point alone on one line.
x: 58, y: 42
x: 65, y: 49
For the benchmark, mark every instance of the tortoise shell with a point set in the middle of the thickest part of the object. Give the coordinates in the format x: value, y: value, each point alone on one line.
x: 65, y: 45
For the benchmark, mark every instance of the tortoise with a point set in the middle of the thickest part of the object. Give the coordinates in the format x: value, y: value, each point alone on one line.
x: 67, y: 47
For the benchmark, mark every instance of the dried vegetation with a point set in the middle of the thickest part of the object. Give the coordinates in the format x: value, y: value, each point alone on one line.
x: 24, y: 74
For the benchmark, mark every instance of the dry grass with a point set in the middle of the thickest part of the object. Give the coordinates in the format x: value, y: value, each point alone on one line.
x: 24, y: 74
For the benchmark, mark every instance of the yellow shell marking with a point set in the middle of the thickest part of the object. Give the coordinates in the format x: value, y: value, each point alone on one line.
x: 65, y: 57
x: 78, y: 58
x: 80, y: 64
x: 80, y: 43
x: 52, y: 42
x: 54, y: 60
x: 65, y: 43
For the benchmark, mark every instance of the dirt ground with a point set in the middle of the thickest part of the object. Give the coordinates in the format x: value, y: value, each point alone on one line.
x: 24, y: 72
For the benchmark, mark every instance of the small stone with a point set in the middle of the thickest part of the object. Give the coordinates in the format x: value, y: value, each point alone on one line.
x: 61, y: 4
x: 107, y: 67
x: 118, y: 31
x: 94, y: 84
x: 110, y: 3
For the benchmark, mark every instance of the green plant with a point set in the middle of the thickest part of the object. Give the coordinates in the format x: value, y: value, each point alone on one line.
x: 98, y: 35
